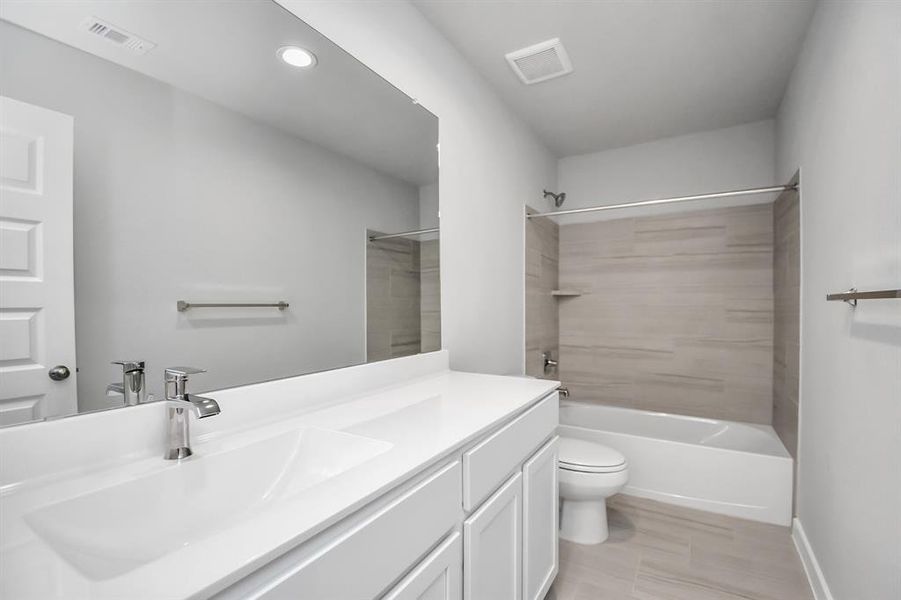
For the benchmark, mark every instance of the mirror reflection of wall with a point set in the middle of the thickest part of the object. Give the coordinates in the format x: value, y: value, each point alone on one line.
x: 212, y: 172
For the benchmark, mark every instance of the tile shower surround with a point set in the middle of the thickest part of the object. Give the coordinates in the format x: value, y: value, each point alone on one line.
x: 403, y: 314
x: 786, y: 327
x: 542, y: 265
x: 676, y: 312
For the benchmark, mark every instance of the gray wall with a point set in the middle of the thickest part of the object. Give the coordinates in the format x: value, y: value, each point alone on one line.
x: 698, y: 163
x: 428, y: 207
x: 178, y: 198
x: 491, y: 164
x: 839, y: 123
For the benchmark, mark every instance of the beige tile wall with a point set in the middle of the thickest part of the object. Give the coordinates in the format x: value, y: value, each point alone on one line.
x: 676, y: 313
x: 542, y: 257
x: 430, y: 298
x: 786, y: 330
x: 393, y: 299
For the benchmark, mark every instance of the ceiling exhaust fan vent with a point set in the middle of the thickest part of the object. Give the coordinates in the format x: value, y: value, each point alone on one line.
x: 540, y: 62
x: 117, y: 35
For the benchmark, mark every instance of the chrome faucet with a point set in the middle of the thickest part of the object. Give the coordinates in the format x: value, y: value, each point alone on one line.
x: 179, y: 401
x: 132, y: 388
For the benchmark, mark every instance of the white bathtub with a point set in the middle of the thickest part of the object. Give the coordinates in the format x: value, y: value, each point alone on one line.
x: 725, y: 467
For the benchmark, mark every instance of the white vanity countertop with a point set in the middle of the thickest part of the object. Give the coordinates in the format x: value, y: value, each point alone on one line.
x: 423, y: 419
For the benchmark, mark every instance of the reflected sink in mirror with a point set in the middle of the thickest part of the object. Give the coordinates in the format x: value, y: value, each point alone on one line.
x: 114, y: 530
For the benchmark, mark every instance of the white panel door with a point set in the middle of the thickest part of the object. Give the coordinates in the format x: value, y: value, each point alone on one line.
x: 37, y: 313
x: 492, y: 546
x: 438, y: 577
x: 539, y: 522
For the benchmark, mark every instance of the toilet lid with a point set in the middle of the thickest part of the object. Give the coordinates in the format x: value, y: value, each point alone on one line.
x: 589, y: 457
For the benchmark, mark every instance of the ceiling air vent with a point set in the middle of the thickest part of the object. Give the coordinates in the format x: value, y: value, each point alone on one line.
x: 117, y: 35
x: 540, y: 62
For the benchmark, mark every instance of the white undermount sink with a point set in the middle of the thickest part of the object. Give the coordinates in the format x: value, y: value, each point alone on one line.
x: 111, y: 531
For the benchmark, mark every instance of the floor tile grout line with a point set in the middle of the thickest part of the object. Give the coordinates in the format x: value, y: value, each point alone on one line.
x: 647, y: 517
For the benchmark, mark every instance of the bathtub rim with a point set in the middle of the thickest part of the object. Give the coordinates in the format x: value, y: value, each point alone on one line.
x: 767, y: 429
x: 773, y: 505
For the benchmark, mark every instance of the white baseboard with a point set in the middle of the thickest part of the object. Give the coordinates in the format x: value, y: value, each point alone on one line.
x: 811, y: 566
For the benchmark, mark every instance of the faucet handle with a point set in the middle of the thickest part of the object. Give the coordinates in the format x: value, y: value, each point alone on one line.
x: 177, y: 378
x: 181, y: 373
x: 129, y: 365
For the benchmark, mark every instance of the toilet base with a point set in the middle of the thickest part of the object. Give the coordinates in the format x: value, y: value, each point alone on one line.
x: 584, y: 521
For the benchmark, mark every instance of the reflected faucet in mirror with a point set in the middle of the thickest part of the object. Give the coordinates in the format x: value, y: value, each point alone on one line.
x: 133, y: 387
x: 179, y: 401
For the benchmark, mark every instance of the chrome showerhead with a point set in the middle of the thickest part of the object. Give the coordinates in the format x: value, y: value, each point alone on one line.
x: 558, y: 198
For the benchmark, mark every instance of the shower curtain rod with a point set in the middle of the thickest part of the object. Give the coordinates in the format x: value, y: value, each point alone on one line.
x: 729, y: 194
x: 388, y: 236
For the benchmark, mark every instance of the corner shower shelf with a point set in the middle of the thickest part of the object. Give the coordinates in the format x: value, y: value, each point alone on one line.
x: 566, y: 293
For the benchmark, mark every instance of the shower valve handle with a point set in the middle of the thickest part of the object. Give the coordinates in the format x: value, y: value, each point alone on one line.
x: 549, y: 363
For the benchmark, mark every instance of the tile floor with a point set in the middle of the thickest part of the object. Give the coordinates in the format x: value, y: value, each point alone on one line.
x: 662, y: 552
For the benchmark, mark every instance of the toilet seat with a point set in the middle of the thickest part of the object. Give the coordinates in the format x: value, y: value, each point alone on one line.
x: 587, y: 474
x: 592, y: 469
x: 582, y: 456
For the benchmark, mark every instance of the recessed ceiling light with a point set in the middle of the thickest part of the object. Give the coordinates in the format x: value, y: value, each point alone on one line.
x: 297, y: 56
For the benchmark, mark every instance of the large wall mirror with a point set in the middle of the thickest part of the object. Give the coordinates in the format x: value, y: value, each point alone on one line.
x: 160, y: 156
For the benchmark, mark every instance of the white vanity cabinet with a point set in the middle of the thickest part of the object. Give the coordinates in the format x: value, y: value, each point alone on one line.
x: 438, y: 577
x: 480, y: 526
x: 539, y: 523
x: 492, y: 546
x: 361, y: 556
x: 510, y: 539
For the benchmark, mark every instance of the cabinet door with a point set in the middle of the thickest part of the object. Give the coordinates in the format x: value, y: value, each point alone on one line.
x: 492, y: 546
x: 438, y: 577
x: 539, y: 522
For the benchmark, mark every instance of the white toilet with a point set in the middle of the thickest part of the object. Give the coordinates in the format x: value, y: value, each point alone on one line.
x: 589, y: 473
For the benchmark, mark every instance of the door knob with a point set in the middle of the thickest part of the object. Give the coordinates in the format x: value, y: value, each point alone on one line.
x: 59, y: 372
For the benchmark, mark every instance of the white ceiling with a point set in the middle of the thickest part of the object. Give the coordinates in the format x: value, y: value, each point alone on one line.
x: 225, y: 51
x: 644, y: 70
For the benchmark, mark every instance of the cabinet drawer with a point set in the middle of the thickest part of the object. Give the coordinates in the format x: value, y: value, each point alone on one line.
x: 361, y: 556
x: 488, y: 463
